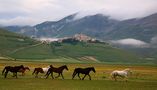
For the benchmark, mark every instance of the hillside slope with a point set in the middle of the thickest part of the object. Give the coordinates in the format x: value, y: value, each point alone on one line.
x: 23, y: 48
x: 10, y: 42
x: 78, y: 52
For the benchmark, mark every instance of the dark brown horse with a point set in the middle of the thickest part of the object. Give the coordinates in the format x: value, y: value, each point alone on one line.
x: 85, y: 71
x: 58, y: 70
x: 24, y: 70
x: 36, y: 71
x: 12, y: 69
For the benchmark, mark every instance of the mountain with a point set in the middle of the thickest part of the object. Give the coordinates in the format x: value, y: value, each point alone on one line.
x: 143, y: 29
x: 90, y: 25
x: 98, y: 26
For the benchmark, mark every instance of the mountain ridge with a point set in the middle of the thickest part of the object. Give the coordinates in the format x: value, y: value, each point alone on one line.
x: 97, y: 26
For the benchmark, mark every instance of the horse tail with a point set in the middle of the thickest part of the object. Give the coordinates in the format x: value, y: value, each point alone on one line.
x: 34, y: 71
x: 3, y: 70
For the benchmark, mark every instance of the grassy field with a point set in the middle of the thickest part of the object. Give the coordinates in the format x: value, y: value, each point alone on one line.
x: 142, y: 78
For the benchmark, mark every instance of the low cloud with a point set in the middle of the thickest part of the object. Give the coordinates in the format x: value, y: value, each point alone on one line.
x: 48, y: 39
x: 130, y: 42
x: 153, y: 42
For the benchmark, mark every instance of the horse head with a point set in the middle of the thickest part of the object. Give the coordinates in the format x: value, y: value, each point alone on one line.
x: 93, y: 69
x: 128, y: 70
x: 27, y: 68
x: 51, y: 66
x: 65, y: 66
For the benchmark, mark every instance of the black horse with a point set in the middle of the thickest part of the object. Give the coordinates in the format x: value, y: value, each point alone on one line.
x: 85, y: 71
x: 12, y: 69
x: 58, y: 70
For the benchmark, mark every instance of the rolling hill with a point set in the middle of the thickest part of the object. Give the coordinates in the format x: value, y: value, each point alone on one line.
x: 19, y: 47
x: 78, y: 52
x: 11, y: 42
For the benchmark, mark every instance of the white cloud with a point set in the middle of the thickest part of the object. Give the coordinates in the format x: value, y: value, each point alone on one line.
x: 153, y: 42
x: 50, y: 10
x: 130, y: 42
x: 48, y: 39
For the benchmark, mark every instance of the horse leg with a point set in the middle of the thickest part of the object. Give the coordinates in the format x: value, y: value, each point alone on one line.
x: 115, y: 78
x: 23, y: 73
x: 126, y: 78
x: 89, y: 77
x: 36, y: 74
x: 84, y: 76
x: 16, y: 74
x: 13, y: 74
x: 74, y: 75
x: 5, y: 76
x: 79, y: 76
x: 47, y: 74
x: 52, y: 75
x: 58, y: 75
x: 62, y: 76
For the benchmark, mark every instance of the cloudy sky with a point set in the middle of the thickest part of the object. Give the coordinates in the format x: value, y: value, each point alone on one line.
x: 31, y: 12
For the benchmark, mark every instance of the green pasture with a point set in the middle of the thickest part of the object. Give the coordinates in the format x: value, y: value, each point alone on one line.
x: 142, y: 78
x: 80, y: 52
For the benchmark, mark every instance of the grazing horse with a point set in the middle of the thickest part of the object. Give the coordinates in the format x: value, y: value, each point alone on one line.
x: 14, y: 70
x: 123, y: 74
x: 40, y: 70
x: 23, y: 70
x: 85, y: 71
x: 58, y: 70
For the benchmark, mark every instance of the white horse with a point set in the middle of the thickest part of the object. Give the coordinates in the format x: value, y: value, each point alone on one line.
x: 123, y: 74
x: 46, y: 69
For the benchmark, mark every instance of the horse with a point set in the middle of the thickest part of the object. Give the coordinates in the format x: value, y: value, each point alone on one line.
x: 58, y: 70
x: 40, y: 70
x: 12, y: 69
x: 123, y: 74
x: 85, y: 71
x: 23, y: 70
